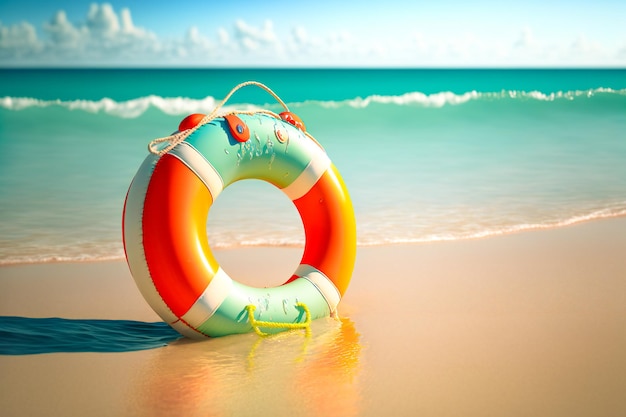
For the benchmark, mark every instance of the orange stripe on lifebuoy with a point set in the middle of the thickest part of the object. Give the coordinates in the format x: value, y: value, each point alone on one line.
x: 330, y: 228
x: 174, y: 234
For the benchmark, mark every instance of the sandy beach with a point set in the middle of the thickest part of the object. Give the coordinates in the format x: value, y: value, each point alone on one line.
x: 530, y: 324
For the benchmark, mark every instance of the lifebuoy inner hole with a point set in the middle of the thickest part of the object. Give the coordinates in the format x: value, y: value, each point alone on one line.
x: 256, y: 233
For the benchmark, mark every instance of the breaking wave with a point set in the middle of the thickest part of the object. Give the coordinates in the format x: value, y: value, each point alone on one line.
x: 182, y: 105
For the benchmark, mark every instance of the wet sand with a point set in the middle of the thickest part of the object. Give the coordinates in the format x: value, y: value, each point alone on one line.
x: 526, y: 324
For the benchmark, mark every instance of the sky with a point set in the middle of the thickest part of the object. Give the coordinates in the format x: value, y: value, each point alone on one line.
x: 321, y: 33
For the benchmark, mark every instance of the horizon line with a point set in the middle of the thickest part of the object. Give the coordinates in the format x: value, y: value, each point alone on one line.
x: 297, y: 68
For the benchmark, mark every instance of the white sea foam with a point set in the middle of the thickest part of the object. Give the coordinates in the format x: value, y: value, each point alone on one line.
x: 449, y: 98
x: 113, y: 251
x: 487, y: 231
x: 125, y: 109
x: 70, y: 256
x: 183, y: 105
x: 416, y: 98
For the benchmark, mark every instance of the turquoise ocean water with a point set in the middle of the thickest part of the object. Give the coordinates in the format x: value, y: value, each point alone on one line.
x: 427, y: 155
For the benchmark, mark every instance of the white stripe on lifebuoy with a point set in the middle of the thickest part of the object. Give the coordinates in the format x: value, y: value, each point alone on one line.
x: 133, y: 239
x: 307, y: 179
x: 323, y: 284
x: 191, y: 157
x: 211, y: 299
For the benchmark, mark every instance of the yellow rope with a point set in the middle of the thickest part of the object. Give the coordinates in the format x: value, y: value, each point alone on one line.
x: 179, y: 137
x: 257, y: 324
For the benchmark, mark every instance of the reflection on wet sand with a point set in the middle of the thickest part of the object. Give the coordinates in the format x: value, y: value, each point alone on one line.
x: 290, y: 373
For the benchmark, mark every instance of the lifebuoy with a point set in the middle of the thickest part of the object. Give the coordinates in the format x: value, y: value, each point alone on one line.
x: 166, y: 209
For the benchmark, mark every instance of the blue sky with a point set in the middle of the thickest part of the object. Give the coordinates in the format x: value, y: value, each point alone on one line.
x: 388, y: 33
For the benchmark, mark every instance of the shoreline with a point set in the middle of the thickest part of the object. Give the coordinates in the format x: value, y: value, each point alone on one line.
x: 523, y: 324
x: 511, y: 231
x: 271, y: 265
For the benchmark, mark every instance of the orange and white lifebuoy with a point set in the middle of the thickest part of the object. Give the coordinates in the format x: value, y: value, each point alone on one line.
x: 166, y: 209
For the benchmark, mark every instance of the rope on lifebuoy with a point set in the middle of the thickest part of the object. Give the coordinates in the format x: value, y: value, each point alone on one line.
x: 257, y: 324
x: 179, y: 137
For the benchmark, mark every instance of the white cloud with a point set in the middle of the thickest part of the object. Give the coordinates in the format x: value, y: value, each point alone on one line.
x: 128, y: 27
x: 335, y: 48
x: 104, y: 38
x: 62, y: 33
x: 195, y: 38
x: 223, y: 36
x: 300, y: 43
x: 102, y: 20
x: 193, y: 48
x: 300, y: 35
x: 250, y: 35
x: 113, y: 37
x: 260, y: 43
x: 18, y: 41
x: 108, y: 37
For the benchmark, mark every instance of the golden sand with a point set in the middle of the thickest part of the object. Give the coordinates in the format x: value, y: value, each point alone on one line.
x: 532, y: 324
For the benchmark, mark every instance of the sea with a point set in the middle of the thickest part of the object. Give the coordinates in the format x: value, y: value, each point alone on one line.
x: 427, y: 154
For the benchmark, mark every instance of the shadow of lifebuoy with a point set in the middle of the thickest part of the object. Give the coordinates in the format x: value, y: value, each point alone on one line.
x: 29, y: 336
